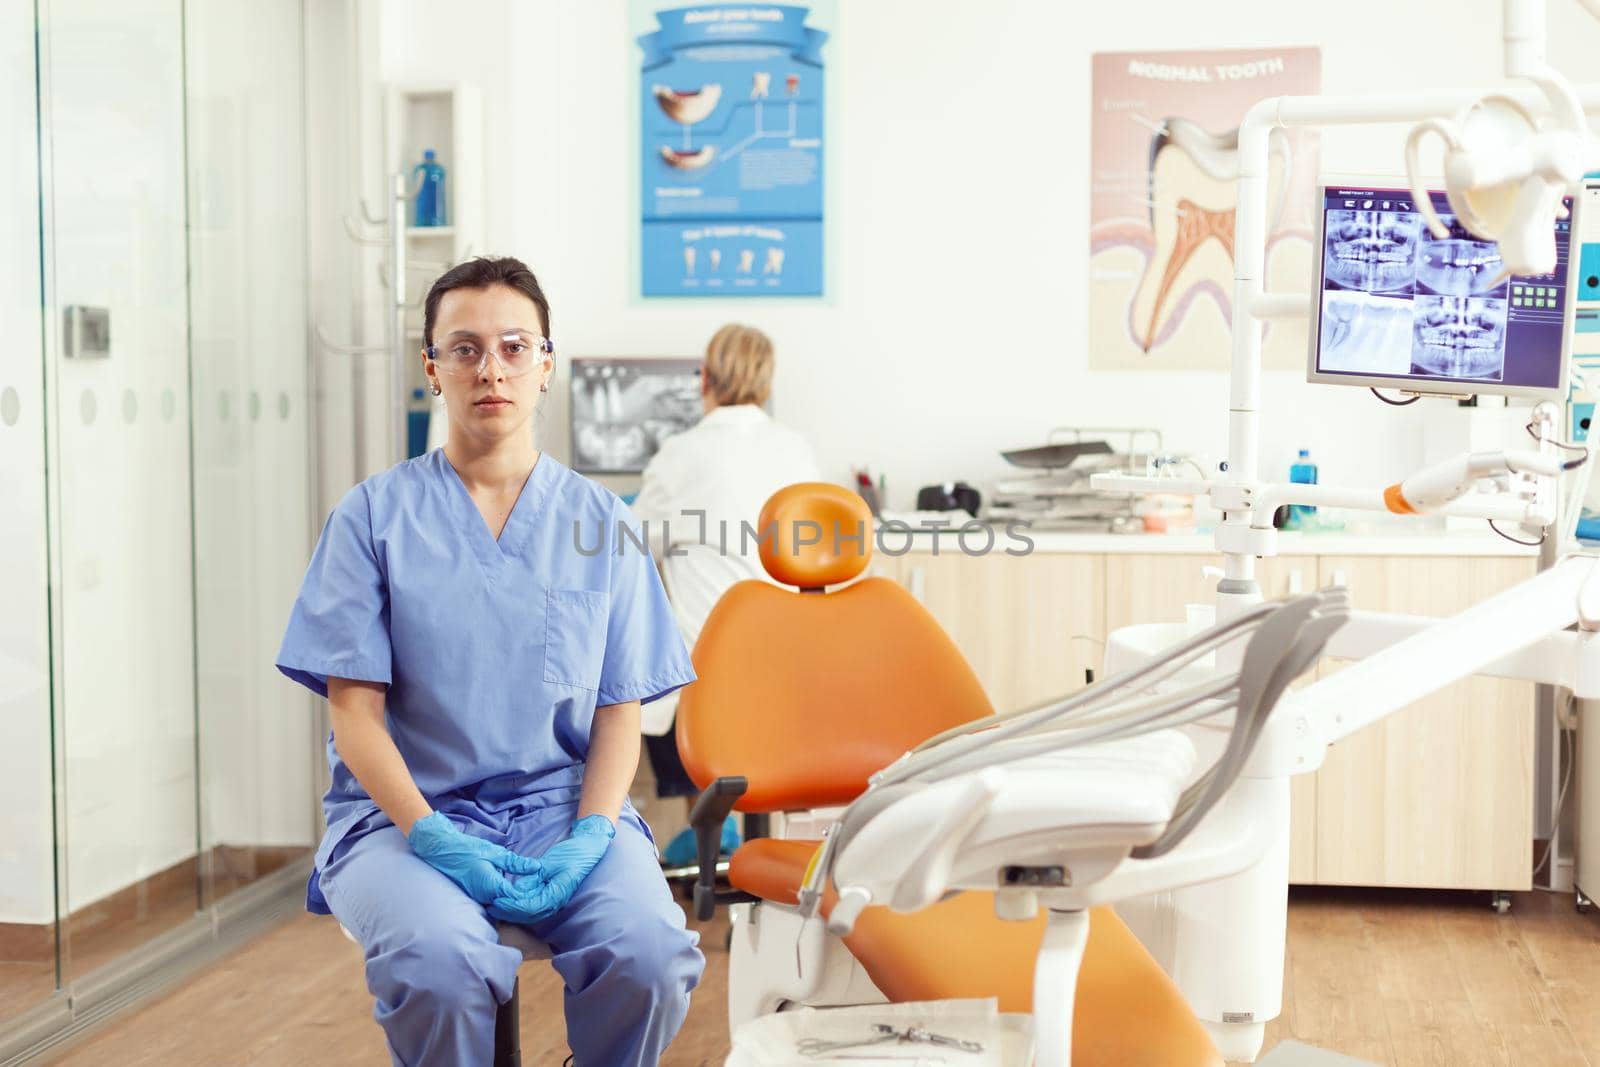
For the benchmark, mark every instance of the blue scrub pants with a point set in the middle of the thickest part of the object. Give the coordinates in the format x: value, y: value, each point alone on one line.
x: 438, y: 971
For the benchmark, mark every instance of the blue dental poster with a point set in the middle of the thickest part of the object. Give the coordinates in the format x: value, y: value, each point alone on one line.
x: 731, y: 178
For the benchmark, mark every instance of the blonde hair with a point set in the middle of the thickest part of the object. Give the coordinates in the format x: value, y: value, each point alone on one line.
x: 738, y: 365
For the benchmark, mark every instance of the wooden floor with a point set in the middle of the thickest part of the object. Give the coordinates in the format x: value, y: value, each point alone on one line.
x: 116, y: 925
x: 1393, y: 977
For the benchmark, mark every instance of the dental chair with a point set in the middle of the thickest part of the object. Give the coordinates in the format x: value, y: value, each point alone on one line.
x: 803, y: 695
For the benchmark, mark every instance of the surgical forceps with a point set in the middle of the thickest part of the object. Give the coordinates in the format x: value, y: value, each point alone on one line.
x: 884, y: 1033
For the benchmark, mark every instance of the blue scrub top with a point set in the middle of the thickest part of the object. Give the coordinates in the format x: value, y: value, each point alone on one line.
x: 496, y: 653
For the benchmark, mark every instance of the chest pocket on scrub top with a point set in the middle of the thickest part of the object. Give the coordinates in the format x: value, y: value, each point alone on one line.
x: 575, y: 636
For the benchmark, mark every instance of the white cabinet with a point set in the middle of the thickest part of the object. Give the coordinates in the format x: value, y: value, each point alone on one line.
x: 1031, y: 626
x: 1441, y: 793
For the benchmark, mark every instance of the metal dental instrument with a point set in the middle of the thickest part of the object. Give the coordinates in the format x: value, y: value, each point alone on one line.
x: 884, y: 1033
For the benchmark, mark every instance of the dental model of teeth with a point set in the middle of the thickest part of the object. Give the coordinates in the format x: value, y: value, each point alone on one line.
x: 693, y: 159
x: 687, y: 106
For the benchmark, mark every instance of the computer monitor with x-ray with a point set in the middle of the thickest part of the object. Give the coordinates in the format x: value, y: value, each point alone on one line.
x: 622, y: 409
x: 1396, y: 307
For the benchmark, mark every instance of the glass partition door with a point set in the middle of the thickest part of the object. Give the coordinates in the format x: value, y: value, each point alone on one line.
x: 155, y: 469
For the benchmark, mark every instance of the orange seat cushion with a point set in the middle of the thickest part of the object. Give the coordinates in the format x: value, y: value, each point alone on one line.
x: 1127, y: 1012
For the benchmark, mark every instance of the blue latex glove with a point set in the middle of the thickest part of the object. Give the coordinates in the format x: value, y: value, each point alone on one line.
x: 479, y: 867
x: 562, y: 868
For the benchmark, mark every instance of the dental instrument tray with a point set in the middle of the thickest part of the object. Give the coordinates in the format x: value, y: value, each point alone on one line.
x: 1051, y: 456
x: 1055, y: 493
x: 1085, y: 441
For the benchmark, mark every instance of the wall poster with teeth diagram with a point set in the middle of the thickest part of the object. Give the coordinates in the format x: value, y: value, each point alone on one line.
x: 731, y: 150
x: 1163, y: 161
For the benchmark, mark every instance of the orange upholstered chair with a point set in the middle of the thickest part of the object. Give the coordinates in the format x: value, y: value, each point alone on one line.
x: 803, y: 695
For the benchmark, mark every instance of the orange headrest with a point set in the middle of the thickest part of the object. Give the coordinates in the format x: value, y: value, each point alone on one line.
x: 814, y: 534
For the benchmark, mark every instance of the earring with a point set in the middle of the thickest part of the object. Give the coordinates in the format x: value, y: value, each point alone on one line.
x: 544, y: 388
x: 435, y: 388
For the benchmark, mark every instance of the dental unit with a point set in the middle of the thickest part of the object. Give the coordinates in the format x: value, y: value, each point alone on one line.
x: 1165, y: 787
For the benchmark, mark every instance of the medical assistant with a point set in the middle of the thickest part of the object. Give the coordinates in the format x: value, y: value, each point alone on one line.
x: 726, y: 465
x: 496, y: 654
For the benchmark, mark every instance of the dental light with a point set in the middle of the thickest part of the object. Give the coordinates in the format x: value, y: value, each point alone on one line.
x: 1505, y: 175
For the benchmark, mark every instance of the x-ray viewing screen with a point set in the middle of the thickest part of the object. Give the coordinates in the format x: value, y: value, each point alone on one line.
x: 1399, y: 307
x: 622, y: 409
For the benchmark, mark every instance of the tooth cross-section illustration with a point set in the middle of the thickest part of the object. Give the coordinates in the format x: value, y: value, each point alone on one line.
x: 1192, y: 174
x: 1195, y: 226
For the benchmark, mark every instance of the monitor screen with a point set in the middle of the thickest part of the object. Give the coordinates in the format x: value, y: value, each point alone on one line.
x: 1398, y: 307
x: 622, y: 409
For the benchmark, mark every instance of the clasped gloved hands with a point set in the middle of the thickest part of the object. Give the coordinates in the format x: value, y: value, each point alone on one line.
x: 481, y: 867
x: 562, y: 868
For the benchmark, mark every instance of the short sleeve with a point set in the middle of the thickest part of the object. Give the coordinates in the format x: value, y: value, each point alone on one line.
x: 645, y: 657
x: 339, y: 625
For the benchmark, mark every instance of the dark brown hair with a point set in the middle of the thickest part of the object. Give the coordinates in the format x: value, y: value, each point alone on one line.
x: 480, y: 273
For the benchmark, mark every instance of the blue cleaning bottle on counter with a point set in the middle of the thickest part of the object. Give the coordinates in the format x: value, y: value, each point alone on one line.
x: 1302, y: 472
x: 428, y: 179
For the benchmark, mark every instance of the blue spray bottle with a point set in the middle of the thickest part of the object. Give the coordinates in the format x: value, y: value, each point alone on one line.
x: 1302, y: 472
x: 428, y: 179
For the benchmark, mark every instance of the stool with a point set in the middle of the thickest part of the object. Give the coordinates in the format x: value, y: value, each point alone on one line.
x: 507, y: 1023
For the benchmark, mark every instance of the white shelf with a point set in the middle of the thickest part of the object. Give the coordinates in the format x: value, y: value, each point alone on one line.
x: 430, y: 231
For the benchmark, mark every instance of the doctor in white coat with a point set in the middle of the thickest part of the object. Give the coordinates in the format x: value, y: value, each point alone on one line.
x: 726, y: 466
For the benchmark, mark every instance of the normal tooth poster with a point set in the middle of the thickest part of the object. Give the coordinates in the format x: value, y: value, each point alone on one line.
x: 1163, y: 159
x: 731, y: 152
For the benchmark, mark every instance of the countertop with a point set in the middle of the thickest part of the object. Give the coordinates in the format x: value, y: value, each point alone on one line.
x: 1386, y: 543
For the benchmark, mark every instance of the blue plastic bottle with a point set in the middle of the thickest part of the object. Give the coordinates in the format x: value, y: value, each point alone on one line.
x: 417, y: 415
x: 1302, y: 472
x: 428, y: 178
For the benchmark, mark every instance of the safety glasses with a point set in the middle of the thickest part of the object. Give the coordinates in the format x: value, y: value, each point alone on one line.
x: 517, y: 354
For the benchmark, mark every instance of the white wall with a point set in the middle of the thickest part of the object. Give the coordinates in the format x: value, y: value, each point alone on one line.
x: 956, y: 325
x: 248, y: 301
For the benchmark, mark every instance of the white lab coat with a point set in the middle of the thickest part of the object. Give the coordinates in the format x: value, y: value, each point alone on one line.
x: 727, y: 465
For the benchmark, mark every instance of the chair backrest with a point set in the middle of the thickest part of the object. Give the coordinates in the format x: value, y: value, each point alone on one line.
x: 807, y: 694
x: 696, y: 576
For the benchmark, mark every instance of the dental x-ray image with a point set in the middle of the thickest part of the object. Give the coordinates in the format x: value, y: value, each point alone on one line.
x: 1371, y: 250
x: 622, y: 409
x: 1362, y: 333
x: 1458, y: 265
x: 1460, y: 337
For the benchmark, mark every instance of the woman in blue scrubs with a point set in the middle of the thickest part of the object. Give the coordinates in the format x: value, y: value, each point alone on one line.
x: 485, y: 631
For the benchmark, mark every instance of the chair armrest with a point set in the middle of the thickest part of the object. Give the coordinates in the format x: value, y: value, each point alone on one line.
x: 707, y: 817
